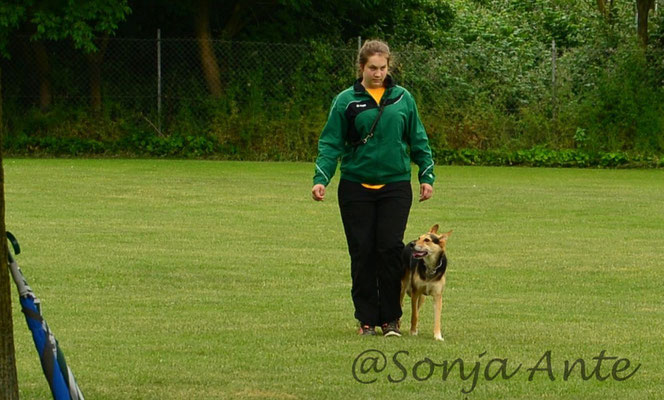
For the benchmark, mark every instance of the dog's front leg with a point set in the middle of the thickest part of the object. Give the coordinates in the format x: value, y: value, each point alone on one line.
x: 415, y: 299
x: 438, y: 307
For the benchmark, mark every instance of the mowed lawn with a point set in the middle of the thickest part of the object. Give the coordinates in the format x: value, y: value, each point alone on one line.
x: 224, y: 280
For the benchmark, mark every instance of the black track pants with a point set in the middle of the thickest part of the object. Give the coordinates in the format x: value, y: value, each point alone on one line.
x: 374, y: 222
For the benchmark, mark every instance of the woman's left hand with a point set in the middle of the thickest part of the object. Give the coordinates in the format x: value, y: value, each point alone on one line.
x: 426, y: 191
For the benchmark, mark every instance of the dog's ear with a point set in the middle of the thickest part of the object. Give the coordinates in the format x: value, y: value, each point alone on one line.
x: 445, y: 236
x: 434, y: 229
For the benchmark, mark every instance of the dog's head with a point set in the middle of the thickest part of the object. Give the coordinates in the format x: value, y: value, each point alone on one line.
x: 430, y: 244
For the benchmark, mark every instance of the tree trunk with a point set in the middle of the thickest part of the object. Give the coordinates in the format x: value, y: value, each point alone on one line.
x: 95, y: 61
x: 44, y: 69
x: 601, y: 5
x: 605, y: 8
x: 643, y: 8
x: 209, y: 62
x: 8, y: 377
x: 95, y: 84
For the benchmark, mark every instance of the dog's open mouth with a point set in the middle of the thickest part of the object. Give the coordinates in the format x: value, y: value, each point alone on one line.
x: 419, y: 254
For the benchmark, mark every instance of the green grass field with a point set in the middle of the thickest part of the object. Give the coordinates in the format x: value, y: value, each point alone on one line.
x: 224, y: 280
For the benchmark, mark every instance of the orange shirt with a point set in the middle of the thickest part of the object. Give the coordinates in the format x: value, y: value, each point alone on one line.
x: 376, y: 93
x: 374, y: 187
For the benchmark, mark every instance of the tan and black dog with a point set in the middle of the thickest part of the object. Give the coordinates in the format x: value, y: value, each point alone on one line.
x: 424, y: 263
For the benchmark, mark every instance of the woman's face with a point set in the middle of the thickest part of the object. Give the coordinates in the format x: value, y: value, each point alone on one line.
x: 374, y: 71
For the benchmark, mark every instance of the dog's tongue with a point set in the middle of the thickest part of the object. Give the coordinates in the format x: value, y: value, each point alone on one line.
x: 419, y: 254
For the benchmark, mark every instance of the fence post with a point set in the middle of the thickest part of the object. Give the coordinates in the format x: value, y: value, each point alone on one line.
x: 159, y: 80
x: 554, y: 56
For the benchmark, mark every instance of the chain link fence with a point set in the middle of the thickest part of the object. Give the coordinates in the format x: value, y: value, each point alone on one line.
x: 145, y: 75
x: 271, y: 97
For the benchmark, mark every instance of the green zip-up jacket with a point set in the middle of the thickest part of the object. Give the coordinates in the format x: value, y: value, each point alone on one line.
x: 384, y: 158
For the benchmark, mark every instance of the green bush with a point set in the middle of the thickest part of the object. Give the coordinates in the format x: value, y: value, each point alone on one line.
x: 624, y: 110
x: 539, y: 157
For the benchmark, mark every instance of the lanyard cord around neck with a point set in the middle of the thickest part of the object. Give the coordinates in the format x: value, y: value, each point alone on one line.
x: 373, y: 128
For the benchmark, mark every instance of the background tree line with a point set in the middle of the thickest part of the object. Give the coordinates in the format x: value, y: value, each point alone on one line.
x: 486, y: 75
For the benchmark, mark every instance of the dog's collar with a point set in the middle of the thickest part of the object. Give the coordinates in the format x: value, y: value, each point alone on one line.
x: 443, y: 261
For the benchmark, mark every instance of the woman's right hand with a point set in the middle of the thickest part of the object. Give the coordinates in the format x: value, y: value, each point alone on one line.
x: 318, y: 192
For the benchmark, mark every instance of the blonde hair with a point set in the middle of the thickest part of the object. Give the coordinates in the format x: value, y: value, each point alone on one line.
x: 370, y: 48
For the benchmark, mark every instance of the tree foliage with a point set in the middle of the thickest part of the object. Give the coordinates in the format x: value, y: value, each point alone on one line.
x: 79, y: 20
x: 12, y: 14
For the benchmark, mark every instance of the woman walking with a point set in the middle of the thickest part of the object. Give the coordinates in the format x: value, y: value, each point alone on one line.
x: 371, y: 127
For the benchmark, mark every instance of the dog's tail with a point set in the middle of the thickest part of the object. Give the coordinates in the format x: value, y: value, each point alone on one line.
x: 407, y: 257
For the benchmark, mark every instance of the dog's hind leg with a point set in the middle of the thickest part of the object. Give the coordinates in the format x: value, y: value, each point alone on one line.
x: 437, y: 309
x: 404, y: 283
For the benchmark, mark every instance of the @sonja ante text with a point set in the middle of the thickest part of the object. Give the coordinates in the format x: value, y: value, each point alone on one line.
x: 373, y: 365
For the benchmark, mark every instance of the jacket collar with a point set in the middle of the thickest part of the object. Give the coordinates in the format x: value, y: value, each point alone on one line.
x: 388, y: 83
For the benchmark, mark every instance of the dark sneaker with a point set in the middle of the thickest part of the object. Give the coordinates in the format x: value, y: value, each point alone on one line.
x: 391, y: 329
x: 367, y: 330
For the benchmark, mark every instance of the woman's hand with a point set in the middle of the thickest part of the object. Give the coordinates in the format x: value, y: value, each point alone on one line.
x: 318, y: 192
x: 426, y: 191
